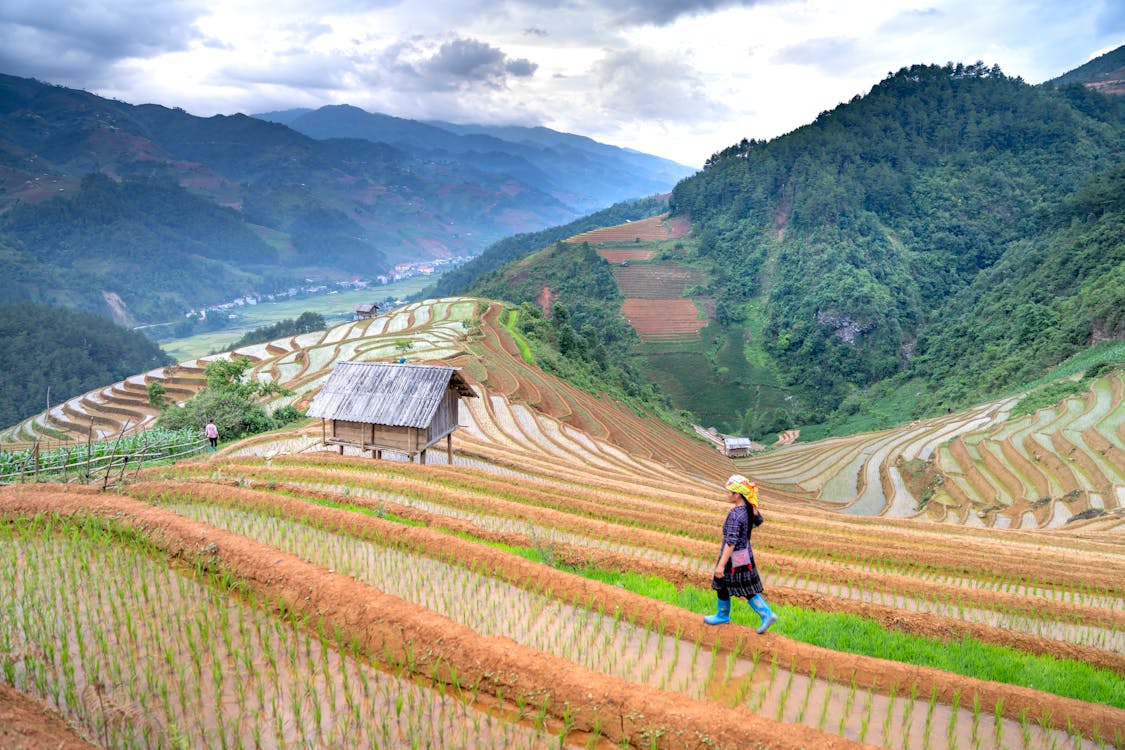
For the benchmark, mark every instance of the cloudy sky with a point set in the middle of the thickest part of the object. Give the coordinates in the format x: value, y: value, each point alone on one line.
x: 677, y: 78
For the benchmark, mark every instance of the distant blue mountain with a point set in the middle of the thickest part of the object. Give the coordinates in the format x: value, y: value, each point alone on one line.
x: 581, y: 173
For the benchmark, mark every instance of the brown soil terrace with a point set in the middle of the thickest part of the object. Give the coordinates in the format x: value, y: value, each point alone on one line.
x: 660, y: 318
x: 917, y: 623
x: 653, y: 229
x: 867, y: 671
x: 26, y: 725
x: 383, y: 624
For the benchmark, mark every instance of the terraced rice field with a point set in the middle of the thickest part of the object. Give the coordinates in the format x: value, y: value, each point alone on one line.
x: 656, y: 280
x: 663, y: 319
x: 319, y: 599
x: 547, y: 588
x: 653, y: 229
x: 1063, y: 465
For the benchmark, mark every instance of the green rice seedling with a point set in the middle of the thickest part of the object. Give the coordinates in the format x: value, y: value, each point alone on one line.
x: 908, y: 715
x: 848, y: 702
x: 998, y: 718
x: 824, y: 706
x: 808, y: 693
x: 951, y: 729
x: 865, y: 722
x: 975, y: 728
x: 928, y: 724
x: 784, y: 698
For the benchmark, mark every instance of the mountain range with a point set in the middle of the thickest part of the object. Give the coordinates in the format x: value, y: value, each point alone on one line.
x: 142, y: 212
x: 945, y: 238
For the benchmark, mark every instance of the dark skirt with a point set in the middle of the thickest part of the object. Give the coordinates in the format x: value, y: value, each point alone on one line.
x: 739, y: 582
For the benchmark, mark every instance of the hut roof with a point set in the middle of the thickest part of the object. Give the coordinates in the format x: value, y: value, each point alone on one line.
x: 387, y: 393
x: 735, y: 443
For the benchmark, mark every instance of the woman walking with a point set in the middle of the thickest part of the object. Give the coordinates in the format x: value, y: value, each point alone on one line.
x: 736, y: 574
x: 212, y: 433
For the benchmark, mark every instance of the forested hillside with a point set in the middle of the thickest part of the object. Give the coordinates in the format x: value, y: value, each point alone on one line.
x: 955, y: 225
x: 48, y: 352
x: 144, y: 212
x: 510, y: 248
x: 952, y: 234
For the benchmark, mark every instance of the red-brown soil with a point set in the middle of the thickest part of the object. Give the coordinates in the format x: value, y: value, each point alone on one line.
x: 383, y: 624
x: 546, y: 510
x: 653, y: 229
x: 618, y: 256
x: 27, y: 725
x: 661, y: 318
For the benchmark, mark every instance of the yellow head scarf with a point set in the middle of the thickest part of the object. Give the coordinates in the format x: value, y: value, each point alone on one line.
x: 743, y: 486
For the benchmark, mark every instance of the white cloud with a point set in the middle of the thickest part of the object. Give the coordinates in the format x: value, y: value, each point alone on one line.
x: 682, y: 79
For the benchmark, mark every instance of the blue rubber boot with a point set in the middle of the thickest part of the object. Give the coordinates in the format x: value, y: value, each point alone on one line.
x: 759, y: 605
x: 723, y: 615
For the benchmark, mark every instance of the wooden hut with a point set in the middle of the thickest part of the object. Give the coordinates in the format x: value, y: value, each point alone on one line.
x: 366, y: 310
x: 378, y: 406
x: 737, y: 447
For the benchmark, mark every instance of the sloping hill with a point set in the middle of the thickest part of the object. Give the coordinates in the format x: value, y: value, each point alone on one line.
x: 163, y: 212
x: 1060, y: 466
x: 315, y: 577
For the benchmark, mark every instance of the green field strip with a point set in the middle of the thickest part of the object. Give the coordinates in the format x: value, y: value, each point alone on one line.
x: 1079, y: 633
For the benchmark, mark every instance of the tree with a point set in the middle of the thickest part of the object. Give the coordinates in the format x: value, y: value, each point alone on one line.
x: 156, y: 393
x: 230, y: 399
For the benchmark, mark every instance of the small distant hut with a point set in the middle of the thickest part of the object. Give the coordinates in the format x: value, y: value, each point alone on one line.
x: 378, y: 406
x: 366, y: 310
x: 737, y: 447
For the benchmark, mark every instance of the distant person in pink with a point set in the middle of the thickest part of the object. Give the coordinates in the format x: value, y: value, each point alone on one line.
x: 212, y: 433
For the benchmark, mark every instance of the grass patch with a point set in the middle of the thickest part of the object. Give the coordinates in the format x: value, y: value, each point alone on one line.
x: 509, y: 318
x: 1109, y: 353
x: 1047, y: 395
x: 859, y: 635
